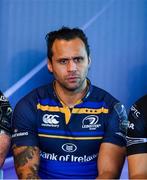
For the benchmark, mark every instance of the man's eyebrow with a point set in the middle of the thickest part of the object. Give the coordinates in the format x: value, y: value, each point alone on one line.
x: 63, y: 58
x: 79, y: 57
x: 68, y: 58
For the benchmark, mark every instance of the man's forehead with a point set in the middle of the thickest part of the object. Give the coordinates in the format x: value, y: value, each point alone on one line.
x: 69, y: 41
x: 68, y: 48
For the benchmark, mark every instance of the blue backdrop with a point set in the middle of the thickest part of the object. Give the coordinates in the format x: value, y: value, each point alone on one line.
x: 117, y: 32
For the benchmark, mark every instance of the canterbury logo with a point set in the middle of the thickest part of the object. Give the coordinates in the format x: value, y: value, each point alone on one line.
x: 50, y: 119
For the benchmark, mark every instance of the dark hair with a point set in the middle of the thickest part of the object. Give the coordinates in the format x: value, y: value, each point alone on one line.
x: 66, y: 34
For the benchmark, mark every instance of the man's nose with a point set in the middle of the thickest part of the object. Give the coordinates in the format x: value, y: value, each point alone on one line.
x: 71, y: 66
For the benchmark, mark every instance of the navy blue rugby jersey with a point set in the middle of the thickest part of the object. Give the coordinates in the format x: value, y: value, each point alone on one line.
x: 137, y: 128
x: 68, y: 139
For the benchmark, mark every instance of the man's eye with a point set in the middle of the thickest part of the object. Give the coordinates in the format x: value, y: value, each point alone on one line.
x: 78, y: 59
x: 63, y: 61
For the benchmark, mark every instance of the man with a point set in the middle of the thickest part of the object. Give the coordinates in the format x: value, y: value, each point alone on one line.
x: 5, y: 127
x: 137, y: 140
x: 69, y: 129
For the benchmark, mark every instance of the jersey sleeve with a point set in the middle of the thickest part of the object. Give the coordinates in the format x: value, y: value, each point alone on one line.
x: 24, y: 124
x: 137, y: 131
x: 5, y: 114
x: 116, y: 125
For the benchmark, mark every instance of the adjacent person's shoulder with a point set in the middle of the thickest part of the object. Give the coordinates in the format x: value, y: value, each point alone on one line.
x: 3, y: 99
x: 139, y: 109
x: 142, y: 100
x: 141, y: 105
x: 5, y: 114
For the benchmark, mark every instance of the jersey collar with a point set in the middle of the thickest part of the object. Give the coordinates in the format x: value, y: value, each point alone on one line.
x: 87, y: 94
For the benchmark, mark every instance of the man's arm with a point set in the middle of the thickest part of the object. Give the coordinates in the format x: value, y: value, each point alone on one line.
x: 26, y: 160
x: 110, y: 161
x: 137, y: 165
x: 4, y: 147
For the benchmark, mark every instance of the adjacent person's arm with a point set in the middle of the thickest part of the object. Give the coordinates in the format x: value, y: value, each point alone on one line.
x: 4, y: 146
x: 137, y: 140
x: 110, y: 161
x: 26, y: 160
x: 137, y: 165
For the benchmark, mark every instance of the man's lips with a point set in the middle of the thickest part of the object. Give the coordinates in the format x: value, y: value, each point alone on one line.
x: 72, y: 78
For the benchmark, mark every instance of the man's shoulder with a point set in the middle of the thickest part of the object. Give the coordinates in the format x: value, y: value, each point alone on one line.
x: 33, y: 96
x: 103, y: 95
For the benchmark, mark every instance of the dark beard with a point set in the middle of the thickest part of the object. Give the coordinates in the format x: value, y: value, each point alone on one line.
x: 74, y: 89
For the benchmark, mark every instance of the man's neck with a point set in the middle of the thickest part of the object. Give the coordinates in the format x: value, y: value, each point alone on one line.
x: 70, y: 98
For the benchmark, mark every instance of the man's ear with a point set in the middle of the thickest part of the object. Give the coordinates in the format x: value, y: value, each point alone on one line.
x: 89, y: 61
x: 49, y: 65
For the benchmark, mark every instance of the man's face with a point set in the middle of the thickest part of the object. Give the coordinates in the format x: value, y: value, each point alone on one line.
x: 69, y: 64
